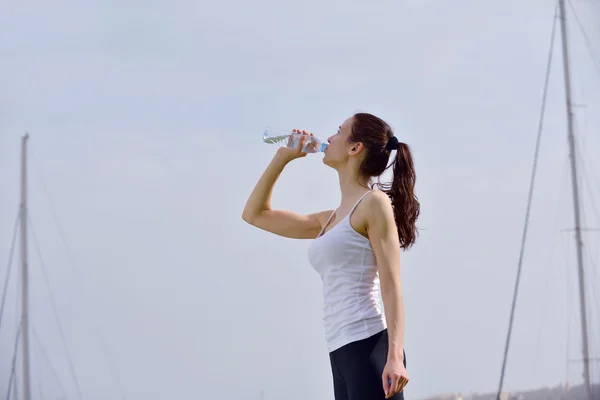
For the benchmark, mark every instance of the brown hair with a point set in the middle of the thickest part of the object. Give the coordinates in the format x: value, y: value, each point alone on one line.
x: 379, y: 141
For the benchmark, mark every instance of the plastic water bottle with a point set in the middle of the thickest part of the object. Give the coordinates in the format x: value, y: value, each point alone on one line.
x: 291, y: 139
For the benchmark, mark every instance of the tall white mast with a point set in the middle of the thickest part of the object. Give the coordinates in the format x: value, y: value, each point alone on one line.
x: 576, y: 204
x: 24, y: 273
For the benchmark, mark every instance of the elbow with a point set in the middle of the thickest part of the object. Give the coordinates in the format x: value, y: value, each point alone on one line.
x: 248, y: 217
x: 251, y: 216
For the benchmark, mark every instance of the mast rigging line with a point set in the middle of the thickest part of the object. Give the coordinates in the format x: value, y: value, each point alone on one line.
x: 529, y: 201
x: 91, y: 310
x: 60, y: 328
x: 50, y: 365
x: 14, y: 363
x: 11, y: 254
x: 588, y: 43
x: 576, y: 197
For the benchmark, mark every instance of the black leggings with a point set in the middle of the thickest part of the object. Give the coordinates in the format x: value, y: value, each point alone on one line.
x: 357, y: 368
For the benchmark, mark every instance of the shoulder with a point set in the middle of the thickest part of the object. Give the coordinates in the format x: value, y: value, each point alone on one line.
x: 378, y: 198
x: 378, y: 201
x: 375, y: 210
x: 379, y: 208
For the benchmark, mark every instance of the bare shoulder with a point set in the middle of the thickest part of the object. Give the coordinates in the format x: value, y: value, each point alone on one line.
x: 378, y: 201
x: 374, y: 208
x: 378, y: 198
x: 379, y: 208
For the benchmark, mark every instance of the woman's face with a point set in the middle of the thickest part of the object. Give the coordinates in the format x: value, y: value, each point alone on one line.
x: 338, y: 150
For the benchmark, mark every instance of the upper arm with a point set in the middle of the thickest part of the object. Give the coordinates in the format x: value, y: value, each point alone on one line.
x: 383, y: 235
x: 290, y: 224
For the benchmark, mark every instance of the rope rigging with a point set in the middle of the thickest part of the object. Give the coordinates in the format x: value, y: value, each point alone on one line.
x: 529, y: 202
x: 9, y: 266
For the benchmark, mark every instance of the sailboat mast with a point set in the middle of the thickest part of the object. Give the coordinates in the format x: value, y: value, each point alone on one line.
x: 576, y: 203
x: 24, y: 273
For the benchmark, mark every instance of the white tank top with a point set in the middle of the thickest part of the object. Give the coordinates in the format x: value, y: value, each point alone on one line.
x: 345, y: 260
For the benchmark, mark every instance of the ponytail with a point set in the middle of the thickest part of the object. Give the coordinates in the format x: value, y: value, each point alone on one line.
x: 379, y: 140
x: 401, y: 192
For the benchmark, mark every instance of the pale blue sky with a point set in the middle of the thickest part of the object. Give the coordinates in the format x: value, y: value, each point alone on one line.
x: 145, y: 121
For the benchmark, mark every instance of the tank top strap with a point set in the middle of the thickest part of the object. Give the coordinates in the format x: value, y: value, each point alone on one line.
x: 357, y: 203
x: 327, y: 223
x: 346, y: 217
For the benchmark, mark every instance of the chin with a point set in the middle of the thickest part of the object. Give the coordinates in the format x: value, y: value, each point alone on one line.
x: 327, y: 162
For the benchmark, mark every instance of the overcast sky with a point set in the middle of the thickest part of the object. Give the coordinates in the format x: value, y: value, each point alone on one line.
x: 145, y: 120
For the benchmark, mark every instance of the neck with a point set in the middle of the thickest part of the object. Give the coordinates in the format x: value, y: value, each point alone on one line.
x: 351, y: 184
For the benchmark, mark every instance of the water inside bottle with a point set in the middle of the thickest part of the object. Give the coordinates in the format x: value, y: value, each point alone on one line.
x: 292, y: 138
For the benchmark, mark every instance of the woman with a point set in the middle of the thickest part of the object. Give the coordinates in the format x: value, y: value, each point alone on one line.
x: 356, y: 250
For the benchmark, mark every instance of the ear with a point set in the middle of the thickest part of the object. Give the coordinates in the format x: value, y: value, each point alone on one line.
x: 356, y: 148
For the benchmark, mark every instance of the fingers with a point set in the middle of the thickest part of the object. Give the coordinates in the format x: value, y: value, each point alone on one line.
x: 313, y: 144
x: 295, y: 139
x: 393, y: 387
x: 393, y: 384
x: 302, y: 143
x: 402, y: 382
x: 387, y: 382
x: 297, y: 142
